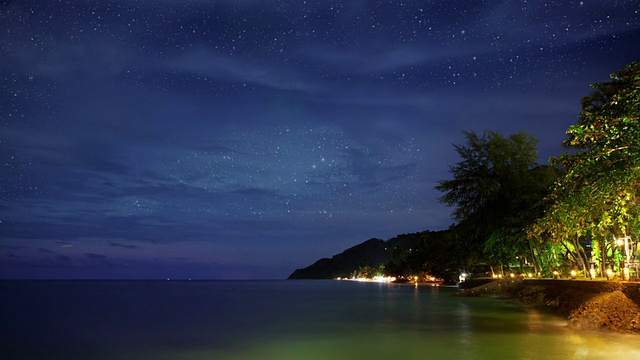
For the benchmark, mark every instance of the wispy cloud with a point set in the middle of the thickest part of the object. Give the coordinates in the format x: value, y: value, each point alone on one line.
x: 124, y: 246
x: 240, y: 70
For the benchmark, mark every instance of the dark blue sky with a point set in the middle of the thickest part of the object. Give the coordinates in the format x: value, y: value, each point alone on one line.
x: 248, y: 138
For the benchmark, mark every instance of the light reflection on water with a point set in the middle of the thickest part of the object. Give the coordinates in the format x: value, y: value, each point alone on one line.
x: 400, y: 322
x: 284, y: 320
x: 413, y: 346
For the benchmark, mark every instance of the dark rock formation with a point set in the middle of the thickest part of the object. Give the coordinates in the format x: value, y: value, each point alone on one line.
x: 594, y: 305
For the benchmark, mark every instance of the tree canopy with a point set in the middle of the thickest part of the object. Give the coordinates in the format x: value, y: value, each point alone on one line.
x: 599, y: 192
x: 495, y: 189
x: 489, y: 172
x: 598, y: 196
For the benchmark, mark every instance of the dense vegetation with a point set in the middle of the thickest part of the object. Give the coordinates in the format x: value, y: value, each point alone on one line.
x: 363, y: 260
x: 581, y: 212
x: 595, y: 201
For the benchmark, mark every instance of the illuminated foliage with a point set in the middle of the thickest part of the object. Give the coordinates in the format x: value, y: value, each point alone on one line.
x: 598, y: 194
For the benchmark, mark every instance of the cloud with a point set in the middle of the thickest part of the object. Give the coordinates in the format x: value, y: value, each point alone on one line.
x: 537, y: 21
x: 69, y: 62
x: 131, y: 228
x: 82, y: 151
x: 254, y: 192
x: 387, y: 60
x: 120, y: 245
x: 205, y: 63
x: 215, y: 149
x: 245, y: 71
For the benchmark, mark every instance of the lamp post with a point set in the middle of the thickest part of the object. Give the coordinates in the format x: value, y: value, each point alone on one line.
x: 625, y: 241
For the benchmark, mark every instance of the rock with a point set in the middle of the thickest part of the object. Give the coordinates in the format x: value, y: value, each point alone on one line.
x: 593, y: 305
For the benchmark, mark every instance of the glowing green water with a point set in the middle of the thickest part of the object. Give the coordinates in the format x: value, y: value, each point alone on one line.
x: 283, y: 320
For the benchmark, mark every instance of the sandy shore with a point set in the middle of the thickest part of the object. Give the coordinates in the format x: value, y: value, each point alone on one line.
x: 593, y: 305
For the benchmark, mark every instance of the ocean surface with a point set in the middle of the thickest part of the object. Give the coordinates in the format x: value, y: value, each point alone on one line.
x: 280, y: 320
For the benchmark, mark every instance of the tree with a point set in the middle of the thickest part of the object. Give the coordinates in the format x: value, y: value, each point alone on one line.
x: 494, y: 190
x: 608, y: 137
x: 490, y: 164
x: 598, y: 195
x: 437, y: 254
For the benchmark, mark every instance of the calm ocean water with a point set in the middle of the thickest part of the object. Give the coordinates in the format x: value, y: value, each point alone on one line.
x: 280, y: 320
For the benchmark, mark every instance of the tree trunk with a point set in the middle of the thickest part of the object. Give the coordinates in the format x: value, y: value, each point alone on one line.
x: 575, y: 255
x: 603, y: 254
x: 536, y: 266
x: 581, y: 256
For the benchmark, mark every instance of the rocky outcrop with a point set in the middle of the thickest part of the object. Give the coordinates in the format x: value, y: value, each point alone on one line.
x: 601, y: 305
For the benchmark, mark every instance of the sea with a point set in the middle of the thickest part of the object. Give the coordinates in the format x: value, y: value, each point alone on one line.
x: 287, y: 319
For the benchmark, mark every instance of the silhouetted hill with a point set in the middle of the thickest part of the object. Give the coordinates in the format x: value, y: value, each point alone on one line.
x: 372, y: 253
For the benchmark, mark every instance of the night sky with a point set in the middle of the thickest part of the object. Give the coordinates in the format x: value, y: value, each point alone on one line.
x: 240, y: 139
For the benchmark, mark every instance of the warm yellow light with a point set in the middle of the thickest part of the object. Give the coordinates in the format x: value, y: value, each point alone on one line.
x: 512, y: 275
x: 609, y: 274
x: 574, y: 274
x: 529, y: 275
x: 592, y: 272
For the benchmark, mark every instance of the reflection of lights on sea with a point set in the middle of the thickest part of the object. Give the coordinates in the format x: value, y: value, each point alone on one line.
x: 431, y: 280
x: 380, y: 279
x: 609, y: 346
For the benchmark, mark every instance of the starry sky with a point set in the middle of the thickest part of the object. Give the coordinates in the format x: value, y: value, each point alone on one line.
x: 242, y: 139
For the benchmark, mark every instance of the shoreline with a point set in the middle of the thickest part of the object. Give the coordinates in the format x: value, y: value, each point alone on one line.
x: 584, y: 304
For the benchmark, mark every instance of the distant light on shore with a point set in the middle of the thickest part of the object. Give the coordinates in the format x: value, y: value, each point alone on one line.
x: 379, y: 279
